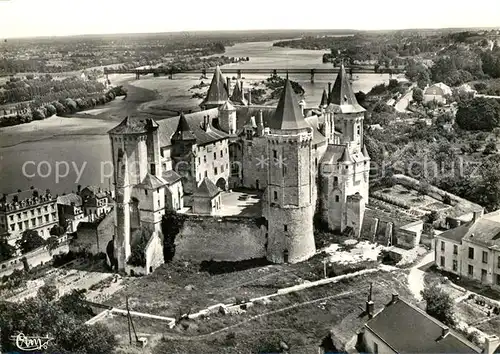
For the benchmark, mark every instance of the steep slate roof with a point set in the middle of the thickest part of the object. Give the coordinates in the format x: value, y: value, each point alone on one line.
x: 183, y: 131
x: 238, y: 96
x: 167, y: 127
x: 343, y: 96
x: 324, y: 99
x: 170, y: 177
x: 288, y: 115
x: 346, y: 157
x: 408, y: 329
x: 365, y: 152
x: 217, y: 92
x: 70, y: 198
x: 207, y: 189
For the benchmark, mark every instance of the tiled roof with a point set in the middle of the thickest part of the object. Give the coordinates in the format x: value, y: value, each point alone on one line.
x: 484, y: 231
x: 170, y: 177
x: 217, y: 92
x: 288, y: 115
x: 97, y: 191
x: 70, y: 198
x: 28, y: 193
x: 332, y: 154
x: 195, y: 121
x: 151, y: 182
x: 408, y: 329
x: 207, y: 189
x: 342, y: 95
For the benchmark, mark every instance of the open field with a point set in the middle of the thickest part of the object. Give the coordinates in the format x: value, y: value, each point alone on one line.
x: 299, y: 319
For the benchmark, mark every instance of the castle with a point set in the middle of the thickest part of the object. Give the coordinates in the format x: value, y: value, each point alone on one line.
x: 307, y: 162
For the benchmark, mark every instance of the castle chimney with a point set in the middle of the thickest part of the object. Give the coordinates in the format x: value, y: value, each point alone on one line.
x: 205, y: 122
x: 491, y: 344
x: 395, y: 298
x: 369, y: 303
x: 329, y: 91
x: 228, y: 83
x: 260, y: 124
x: 302, y: 104
x: 249, y: 96
x: 476, y: 215
x: 79, y: 189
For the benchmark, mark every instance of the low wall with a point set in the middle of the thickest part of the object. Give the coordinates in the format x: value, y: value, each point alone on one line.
x: 231, y: 239
x: 408, y: 236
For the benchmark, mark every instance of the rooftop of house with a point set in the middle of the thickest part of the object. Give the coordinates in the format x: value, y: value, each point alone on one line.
x: 408, y: 329
x: 151, y: 182
x: 98, y: 192
x: 207, y: 189
x: 21, y: 195
x: 170, y: 177
x: 70, y: 199
x: 484, y: 231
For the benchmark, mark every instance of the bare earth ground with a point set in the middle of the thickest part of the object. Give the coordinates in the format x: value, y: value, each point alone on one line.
x: 300, y: 319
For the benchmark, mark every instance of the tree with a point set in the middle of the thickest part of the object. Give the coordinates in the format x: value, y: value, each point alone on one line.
x: 74, y: 303
x: 6, y: 250
x: 479, y: 114
x: 490, y: 148
x: 488, y: 187
x: 47, y: 292
x: 418, y: 95
x: 474, y: 145
x: 29, y: 241
x: 439, y: 304
x: 57, y: 230
x: 52, y: 243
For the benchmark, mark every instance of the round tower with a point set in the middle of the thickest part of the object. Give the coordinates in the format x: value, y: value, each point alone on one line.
x: 129, y: 151
x: 290, y: 205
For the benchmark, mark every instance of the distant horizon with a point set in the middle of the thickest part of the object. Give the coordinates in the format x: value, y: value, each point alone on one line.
x: 278, y: 30
x: 60, y: 18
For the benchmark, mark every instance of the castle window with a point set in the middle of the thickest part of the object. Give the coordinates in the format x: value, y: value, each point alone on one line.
x: 153, y: 169
x: 215, y: 170
x: 275, y: 195
x: 145, y: 192
x: 285, y: 227
x: 215, y: 156
x: 358, y: 130
x: 221, y: 153
x: 204, y: 158
x: 222, y: 169
x: 206, y: 174
x: 275, y: 154
x: 337, y: 198
x: 335, y: 180
x: 199, y: 160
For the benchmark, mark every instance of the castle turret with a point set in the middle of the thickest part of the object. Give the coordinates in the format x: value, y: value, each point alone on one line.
x: 130, y: 156
x: 183, y: 142
x: 238, y: 96
x: 227, y: 118
x: 324, y: 100
x: 290, y: 204
x: 347, y: 112
x: 217, y: 93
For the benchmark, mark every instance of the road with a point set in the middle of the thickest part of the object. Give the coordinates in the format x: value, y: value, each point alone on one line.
x: 416, y: 276
x: 404, y: 102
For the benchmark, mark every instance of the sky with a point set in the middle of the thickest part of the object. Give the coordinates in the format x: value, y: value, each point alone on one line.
x: 27, y: 18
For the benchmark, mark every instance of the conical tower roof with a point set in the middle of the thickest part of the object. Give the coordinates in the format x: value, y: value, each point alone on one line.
x: 324, y: 99
x: 346, y: 156
x: 183, y: 131
x: 343, y: 95
x: 238, y: 95
x: 217, y: 92
x: 288, y: 115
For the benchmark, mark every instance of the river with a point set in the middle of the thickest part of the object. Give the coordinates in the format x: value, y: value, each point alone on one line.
x: 79, y: 147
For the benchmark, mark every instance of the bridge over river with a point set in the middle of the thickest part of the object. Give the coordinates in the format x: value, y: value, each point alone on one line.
x: 240, y: 71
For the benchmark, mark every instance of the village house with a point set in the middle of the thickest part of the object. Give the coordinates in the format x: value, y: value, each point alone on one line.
x: 437, y: 93
x: 472, y: 250
x: 70, y: 209
x: 32, y: 209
